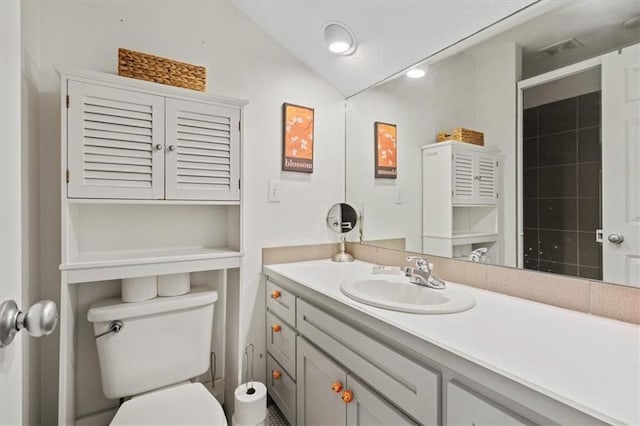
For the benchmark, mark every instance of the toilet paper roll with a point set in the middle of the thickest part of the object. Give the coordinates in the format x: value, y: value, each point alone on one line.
x: 174, y: 284
x: 139, y: 289
x: 251, y: 409
x: 234, y: 422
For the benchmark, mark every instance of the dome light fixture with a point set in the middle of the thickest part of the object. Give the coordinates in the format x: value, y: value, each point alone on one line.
x: 416, y: 73
x: 339, y: 38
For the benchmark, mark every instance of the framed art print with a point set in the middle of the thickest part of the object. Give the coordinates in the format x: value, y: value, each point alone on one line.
x: 297, y: 144
x: 386, y: 150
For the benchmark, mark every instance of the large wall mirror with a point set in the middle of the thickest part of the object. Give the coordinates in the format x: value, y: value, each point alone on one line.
x: 555, y: 187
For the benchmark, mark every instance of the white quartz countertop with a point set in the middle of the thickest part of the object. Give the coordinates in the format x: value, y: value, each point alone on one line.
x: 587, y: 362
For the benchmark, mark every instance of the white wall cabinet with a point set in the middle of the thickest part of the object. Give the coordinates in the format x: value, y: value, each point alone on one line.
x: 152, y: 177
x: 128, y: 144
x: 460, y: 199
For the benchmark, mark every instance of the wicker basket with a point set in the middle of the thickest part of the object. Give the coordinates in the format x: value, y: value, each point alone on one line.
x: 462, y: 135
x: 161, y: 70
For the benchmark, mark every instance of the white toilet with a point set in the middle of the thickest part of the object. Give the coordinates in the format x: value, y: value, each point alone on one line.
x: 161, y: 344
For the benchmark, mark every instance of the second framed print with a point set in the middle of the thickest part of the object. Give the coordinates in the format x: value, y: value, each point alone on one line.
x: 297, y: 134
x: 386, y: 150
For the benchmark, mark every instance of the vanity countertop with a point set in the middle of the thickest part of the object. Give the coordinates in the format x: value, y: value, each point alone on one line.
x: 585, y: 361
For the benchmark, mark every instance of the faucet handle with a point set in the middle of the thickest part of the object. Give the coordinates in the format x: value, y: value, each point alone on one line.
x: 421, y: 263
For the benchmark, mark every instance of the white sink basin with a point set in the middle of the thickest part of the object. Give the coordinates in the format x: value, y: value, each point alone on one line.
x: 398, y: 294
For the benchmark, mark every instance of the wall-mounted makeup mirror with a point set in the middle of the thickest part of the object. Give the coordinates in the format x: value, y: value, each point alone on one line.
x: 342, y: 219
x: 555, y: 187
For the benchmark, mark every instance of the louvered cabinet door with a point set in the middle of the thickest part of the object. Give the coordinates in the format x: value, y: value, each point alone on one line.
x: 203, y: 151
x: 115, y: 142
x: 463, y: 178
x: 486, y: 176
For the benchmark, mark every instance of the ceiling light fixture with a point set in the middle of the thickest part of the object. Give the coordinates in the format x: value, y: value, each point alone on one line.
x: 631, y: 23
x: 416, y: 73
x: 339, y: 38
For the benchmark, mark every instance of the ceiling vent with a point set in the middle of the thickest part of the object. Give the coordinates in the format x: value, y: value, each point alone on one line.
x: 561, y: 46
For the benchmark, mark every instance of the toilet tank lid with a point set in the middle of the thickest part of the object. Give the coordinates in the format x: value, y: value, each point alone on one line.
x: 115, y: 308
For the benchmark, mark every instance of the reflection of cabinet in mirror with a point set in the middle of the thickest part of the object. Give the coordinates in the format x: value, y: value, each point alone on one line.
x: 460, y: 199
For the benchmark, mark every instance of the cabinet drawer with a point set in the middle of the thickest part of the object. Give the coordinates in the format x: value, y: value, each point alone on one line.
x: 465, y: 408
x: 282, y: 389
x: 281, y: 302
x: 281, y: 343
x: 410, y: 386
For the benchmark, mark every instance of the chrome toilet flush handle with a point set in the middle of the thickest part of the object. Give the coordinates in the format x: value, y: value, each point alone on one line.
x: 114, y: 327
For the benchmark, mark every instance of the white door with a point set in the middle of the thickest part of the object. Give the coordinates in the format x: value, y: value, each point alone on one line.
x: 203, y: 151
x: 10, y: 228
x: 486, y: 177
x: 620, y: 166
x: 463, y: 177
x: 115, y: 143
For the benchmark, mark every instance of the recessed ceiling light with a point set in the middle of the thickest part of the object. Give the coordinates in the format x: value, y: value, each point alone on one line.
x: 416, y: 73
x: 339, y: 38
x: 631, y: 23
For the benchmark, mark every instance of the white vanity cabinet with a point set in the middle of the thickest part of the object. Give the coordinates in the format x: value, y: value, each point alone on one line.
x: 466, y: 408
x: 328, y: 395
x: 138, y: 143
x: 334, y: 360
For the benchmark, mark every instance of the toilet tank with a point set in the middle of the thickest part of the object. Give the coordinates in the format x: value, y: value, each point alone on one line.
x: 163, y: 341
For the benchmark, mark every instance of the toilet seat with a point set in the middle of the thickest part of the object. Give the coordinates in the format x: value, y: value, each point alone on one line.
x: 189, y: 404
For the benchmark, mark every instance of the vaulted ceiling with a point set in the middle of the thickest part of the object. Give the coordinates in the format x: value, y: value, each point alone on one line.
x: 391, y: 34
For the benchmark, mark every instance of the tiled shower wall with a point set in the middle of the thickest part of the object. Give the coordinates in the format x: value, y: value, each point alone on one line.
x: 562, y: 187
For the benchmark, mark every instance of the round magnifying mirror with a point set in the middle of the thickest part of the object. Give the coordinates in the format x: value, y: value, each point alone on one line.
x: 342, y: 218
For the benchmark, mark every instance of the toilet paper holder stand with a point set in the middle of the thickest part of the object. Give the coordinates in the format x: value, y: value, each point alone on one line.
x: 249, y: 362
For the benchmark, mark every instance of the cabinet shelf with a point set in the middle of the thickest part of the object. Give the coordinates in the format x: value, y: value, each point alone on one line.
x: 114, y: 201
x: 89, y: 267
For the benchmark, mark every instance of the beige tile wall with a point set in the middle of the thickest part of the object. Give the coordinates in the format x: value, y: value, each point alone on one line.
x: 603, y: 299
x: 274, y: 255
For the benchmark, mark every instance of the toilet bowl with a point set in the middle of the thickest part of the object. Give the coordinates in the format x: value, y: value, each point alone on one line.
x: 189, y: 404
x: 150, y: 350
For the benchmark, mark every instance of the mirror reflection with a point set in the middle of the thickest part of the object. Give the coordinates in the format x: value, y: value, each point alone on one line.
x: 521, y: 150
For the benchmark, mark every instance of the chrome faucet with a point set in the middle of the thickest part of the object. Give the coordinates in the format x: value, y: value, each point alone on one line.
x: 422, y: 274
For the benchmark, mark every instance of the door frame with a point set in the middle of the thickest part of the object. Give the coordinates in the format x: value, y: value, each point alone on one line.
x: 11, y: 363
x: 568, y: 71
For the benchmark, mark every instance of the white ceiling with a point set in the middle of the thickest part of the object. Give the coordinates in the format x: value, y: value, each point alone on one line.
x: 391, y: 34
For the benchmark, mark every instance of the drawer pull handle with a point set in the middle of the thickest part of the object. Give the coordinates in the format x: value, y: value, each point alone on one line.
x: 336, y: 387
x: 347, y: 396
x: 275, y: 294
x: 276, y: 328
x: 276, y: 374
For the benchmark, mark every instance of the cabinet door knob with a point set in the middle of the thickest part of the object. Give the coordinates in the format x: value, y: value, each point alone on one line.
x: 276, y: 328
x: 159, y: 147
x: 276, y: 374
x: 347, y: 396
x: 336, y: 387
x: 275, y: 294
x: 172, y: 147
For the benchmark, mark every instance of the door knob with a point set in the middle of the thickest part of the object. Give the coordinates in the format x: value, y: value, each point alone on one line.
x: 39, y: 320
x: 172, y: 147
x: 615, y: 238
x: 337, y: 387
x: 275, y: 294
x: 159, y: 147
x: 276, y: 374
x: 347, y: 396
x: 276, y: 328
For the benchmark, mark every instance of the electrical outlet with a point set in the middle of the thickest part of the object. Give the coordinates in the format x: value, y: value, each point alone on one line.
x: 275, y: 188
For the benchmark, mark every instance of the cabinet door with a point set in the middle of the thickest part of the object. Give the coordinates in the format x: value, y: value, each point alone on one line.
x: 203, y: 151
x: 115, y: 142
x: 463, y: 178
x: 465, y: 408
x: 486, y: 176
x: 367, y: 408
x: 319, y: 388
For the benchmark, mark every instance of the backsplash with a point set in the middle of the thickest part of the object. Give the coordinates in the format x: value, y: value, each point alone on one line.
x: 578, y: 294
x: 562, y: 187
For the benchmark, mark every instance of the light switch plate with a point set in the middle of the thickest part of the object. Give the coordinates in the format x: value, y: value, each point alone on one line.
x: 398, y: 196
x: 275, y: 189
